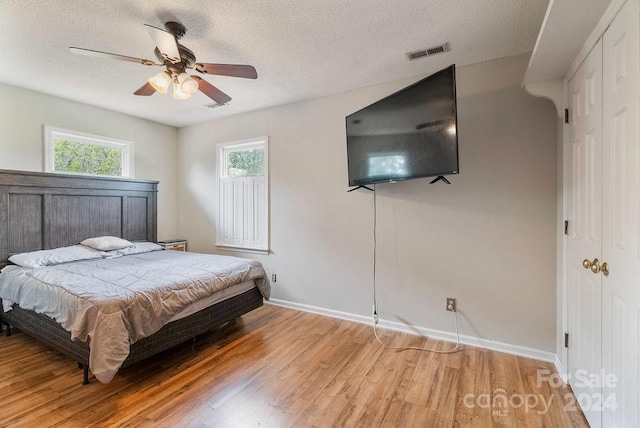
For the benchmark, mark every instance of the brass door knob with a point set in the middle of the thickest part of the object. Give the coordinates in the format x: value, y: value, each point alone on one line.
x: 605, y: 269
x: 586, y: 263
x: 595, y: 266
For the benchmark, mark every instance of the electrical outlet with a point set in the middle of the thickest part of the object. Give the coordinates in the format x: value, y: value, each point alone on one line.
x: 451, y: 304
x: 273, y: 277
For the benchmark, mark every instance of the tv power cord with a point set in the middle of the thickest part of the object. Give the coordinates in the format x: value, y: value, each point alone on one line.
x: 418, y: 348
x: 375, y: 306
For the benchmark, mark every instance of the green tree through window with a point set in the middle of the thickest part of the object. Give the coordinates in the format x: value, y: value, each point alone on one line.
x: 71, y: 156
x: 245, y: 163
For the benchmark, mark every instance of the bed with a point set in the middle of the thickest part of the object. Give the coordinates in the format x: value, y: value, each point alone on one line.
x: 44, y: 211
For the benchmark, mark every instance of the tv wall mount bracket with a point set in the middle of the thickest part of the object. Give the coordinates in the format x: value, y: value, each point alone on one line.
x: 440, y: 178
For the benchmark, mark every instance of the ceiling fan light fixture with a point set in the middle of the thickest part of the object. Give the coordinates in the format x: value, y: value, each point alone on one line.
x: 188, y: 85
x: 177, y: 59
x: 161, y: 82
x: 178, y: 93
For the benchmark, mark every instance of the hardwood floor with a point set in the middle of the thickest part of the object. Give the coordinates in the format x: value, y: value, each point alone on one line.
x: 278, y: 367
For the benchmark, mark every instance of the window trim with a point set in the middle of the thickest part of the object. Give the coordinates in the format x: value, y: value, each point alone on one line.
x: 51, y: 133
x: 221, y: 152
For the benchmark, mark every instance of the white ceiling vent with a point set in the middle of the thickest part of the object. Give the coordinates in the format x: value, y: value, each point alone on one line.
x: 214, y: 105
x: 428, y: 52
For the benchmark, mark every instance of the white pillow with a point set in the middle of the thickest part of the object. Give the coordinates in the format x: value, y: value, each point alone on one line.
x: 36, y: 259
x: 107, y: 243
x: 138, y: 248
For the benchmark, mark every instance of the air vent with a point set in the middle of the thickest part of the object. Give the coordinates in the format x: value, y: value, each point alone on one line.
x: 214, y: 105
x: 416, y: 55
x: 428, y: 52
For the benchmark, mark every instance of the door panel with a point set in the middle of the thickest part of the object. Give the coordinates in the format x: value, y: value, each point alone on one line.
x: 585, y: 234
x: 621, y: 216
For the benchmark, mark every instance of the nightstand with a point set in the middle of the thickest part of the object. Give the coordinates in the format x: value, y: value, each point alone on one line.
x: 174, y: 244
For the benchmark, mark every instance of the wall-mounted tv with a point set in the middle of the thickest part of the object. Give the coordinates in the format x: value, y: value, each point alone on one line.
x: 411, y: 133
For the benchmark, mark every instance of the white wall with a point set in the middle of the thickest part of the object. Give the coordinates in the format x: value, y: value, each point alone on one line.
x: 23, y: 114
x: 488, y: 239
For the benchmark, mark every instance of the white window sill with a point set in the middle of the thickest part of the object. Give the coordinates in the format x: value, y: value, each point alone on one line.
x: 242, y: 249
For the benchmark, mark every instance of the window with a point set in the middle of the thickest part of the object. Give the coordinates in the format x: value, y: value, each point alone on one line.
x: 74, y: 152
x: 243, y: 195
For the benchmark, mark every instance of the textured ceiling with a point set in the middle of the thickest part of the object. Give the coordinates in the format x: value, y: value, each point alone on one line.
x: 301, y: 48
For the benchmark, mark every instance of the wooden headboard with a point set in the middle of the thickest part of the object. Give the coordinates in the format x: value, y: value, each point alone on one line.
x: 42, y: 211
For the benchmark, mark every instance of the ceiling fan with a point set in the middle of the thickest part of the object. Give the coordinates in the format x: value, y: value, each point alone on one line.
x: 176, y: 59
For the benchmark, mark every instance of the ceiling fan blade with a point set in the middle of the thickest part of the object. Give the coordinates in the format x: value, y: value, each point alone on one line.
x: 211, y: 91
x: 145, y: 90
x: 233, y: 70
x: 98, y: 54
x: 166, y: 43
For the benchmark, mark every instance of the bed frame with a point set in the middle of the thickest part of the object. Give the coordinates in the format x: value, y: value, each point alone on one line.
x: 43, y: 211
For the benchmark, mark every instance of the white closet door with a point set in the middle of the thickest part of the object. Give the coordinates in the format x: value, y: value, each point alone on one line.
x: 585, y: 239
x: 621, y: 217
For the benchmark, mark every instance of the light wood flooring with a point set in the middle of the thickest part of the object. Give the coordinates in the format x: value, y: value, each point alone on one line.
x: 278, y: 367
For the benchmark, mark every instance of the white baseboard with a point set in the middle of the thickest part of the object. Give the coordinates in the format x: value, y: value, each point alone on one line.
x: 507, y: 348
x: 562, y: 371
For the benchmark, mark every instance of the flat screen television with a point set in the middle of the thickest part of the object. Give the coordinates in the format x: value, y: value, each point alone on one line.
x: 411, y: 133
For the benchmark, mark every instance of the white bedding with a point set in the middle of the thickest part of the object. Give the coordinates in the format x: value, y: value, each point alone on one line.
x: 194, y: 307
x: 112, y: 303
x: 224, y: 294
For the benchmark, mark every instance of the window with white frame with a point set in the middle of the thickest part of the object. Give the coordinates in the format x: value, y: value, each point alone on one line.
x: 73, y: 152
x: 243, y: 195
